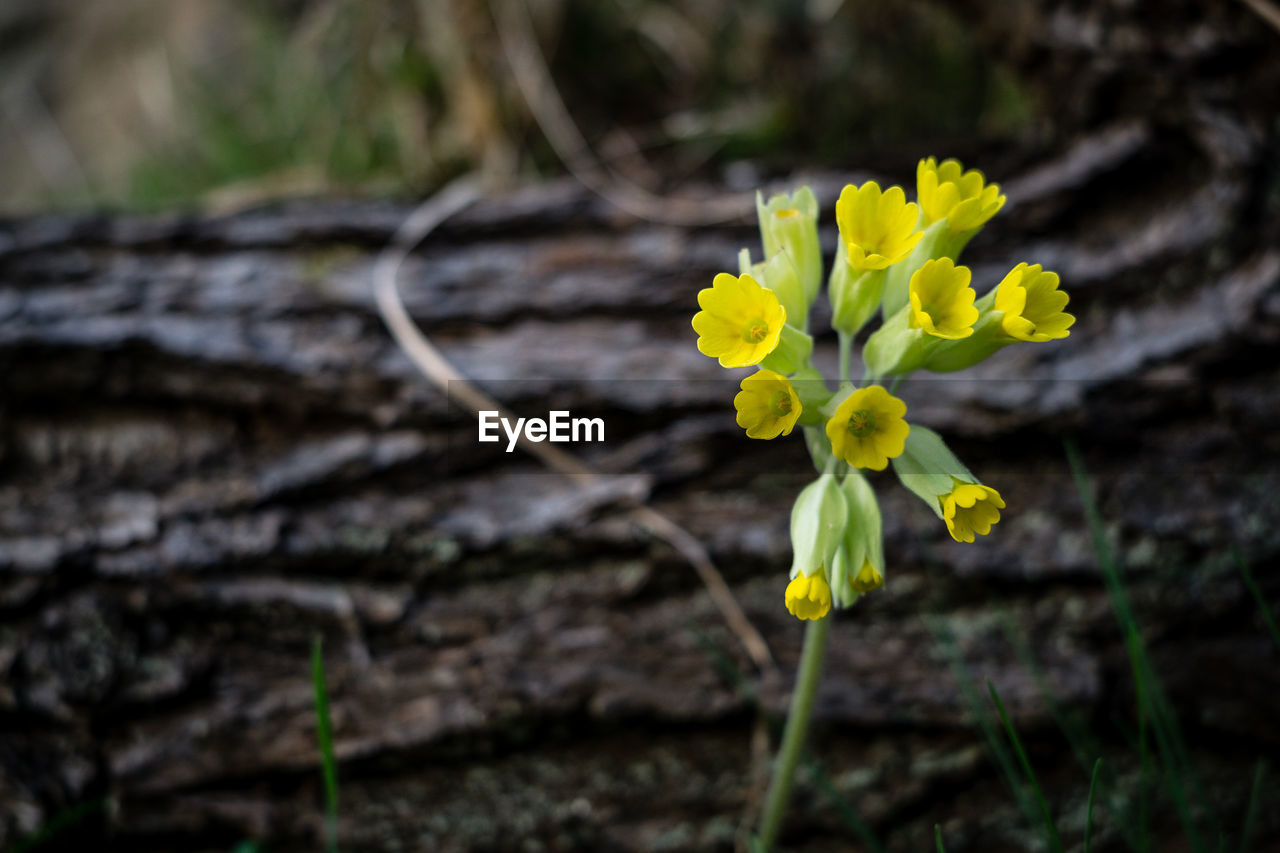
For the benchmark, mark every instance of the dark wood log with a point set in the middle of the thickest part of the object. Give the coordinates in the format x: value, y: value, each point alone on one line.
x: 212, y: 452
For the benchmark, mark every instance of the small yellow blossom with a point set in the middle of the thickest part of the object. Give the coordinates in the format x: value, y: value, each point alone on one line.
x: 878, y: 229
x: 808, y: 597
x: 867, y: 578
x: 970, y: 508
x: 767, y: 405
x: 1032, y: 305
x: 942, y: 300
x: 964, y: 199
x: 740, y: 321
x: 867, y: 429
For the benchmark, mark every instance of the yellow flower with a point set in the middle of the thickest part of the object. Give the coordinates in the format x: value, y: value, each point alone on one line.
x: 964, y: 199
x: 867, y: 578
x: 740, y: 321
x: 867, y: 429
x: 1032, y: 305
x: 878, y: 229
x: 767, y: 405
x: 942, y: 300
x: 970, y: 508
x: 808, y: 597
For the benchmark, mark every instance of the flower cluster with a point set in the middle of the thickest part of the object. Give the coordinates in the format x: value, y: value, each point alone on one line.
x: 899, y: 259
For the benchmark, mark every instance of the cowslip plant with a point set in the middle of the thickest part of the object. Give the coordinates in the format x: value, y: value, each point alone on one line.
x: 900, y: 259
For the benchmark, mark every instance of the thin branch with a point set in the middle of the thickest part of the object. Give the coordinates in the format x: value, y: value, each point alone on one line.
x: 437, y: 369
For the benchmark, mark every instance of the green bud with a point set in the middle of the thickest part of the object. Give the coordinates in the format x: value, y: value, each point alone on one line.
x: 792, y: 353
x: 855, y: 296
x: 790, y: 222
x: 817, y: 526
x: 929, y: 468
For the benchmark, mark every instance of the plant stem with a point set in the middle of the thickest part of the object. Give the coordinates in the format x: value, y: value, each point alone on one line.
x: 784, y: 770
x: 846, y: 346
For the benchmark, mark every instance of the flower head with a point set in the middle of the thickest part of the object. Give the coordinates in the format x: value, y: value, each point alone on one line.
x: 970, y: 508
x: 878, y: 229
x: 808, y: 597
x: 767, y: 405
x: 1032, y: 305
x: 963, y: 198
x: 740, y: 321
x: 867, y: 429
x: 942, y: 300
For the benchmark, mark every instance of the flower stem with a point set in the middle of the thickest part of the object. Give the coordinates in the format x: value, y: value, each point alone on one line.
x: 846, y: 344
x: 784, y: 770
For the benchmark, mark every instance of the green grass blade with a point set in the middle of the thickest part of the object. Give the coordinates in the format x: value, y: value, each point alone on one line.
x: 937, y: 837
x: 1051, y: 831
x: 1088, y: 814
x: 1256, y: 592
x: 1251, y: 813
x: 324, y: 735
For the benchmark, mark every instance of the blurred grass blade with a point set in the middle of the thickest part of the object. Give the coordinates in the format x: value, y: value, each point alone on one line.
x: 1088, y: 815
x: 1256, y: 592
x: 56, y: 825
x: 937, y: 837
x: 1251, y: 813
x: 965, y: 680
x: 1155, y: 712
x: 1051, y: 831
x: 324, y: 734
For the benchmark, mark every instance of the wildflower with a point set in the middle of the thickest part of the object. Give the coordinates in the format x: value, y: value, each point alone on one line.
x: 808, y: 597
x: 942, y: 300
x: 1026, y: 306
x: 954, y: 205
x: 767, y: 405
x: 789, y: 223
x: 877, y: 229
x: 962, y: 198
x: 867, y: 429
x: 818, y: 520
x: 929, y: 469
x: 740, y: 321
x: 1032, y: 305
x: 970, y: 508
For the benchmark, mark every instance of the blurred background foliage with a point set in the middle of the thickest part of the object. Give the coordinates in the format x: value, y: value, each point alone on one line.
x: 154, y: 103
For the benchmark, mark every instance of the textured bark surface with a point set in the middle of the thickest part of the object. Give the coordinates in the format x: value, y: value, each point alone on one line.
x: 212, y: 452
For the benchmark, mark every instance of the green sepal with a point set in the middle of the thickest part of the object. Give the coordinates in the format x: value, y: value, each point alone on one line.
x: 854, y: 296
x: 792, y: 352
x: 864, y: 532
x: 818, y: 520
x: 895, y: 348
x: 928, y: 468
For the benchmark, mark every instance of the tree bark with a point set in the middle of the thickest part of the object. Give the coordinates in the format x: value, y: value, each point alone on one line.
x: 212, y: 453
